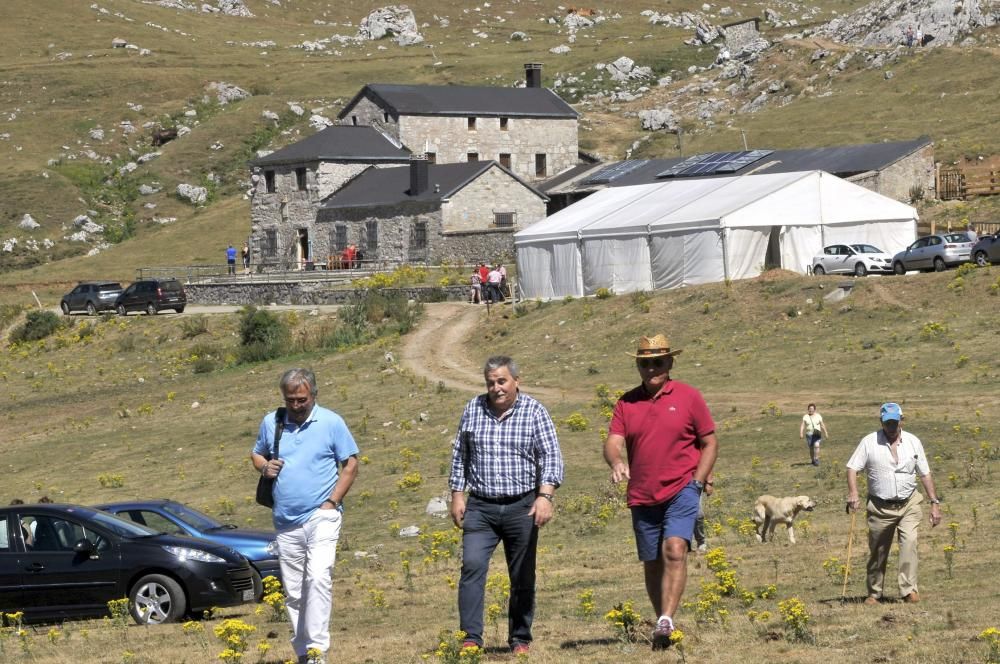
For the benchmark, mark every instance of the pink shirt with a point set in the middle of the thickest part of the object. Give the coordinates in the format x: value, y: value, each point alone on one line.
x: 661, y: 436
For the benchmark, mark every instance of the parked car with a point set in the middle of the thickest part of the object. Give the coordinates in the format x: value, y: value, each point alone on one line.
x: 986, y: 250
x: 859, y: 259
x: 172, y: 517
x: 152, y: 296
x: 61, y: 561
x: 92, y: 297
x: 933, y: 252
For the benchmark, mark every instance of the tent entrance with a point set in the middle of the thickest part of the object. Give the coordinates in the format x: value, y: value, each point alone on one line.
x: 772, y: 258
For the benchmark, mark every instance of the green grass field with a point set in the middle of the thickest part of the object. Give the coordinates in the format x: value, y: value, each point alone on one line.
x: 116, y: 397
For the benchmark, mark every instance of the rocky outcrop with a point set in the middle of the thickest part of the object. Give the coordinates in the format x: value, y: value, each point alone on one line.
x: 393, y: 21
x: 885, y: 22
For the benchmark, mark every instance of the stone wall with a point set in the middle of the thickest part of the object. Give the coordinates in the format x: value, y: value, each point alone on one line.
x: 308, y: 292
x: 741, y: 34
x: 396, y: 229
x: 472, y: 208
x: 897, y: 180
x: 367, y: 113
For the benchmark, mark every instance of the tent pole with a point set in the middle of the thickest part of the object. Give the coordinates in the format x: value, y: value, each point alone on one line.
x: 725, y: 255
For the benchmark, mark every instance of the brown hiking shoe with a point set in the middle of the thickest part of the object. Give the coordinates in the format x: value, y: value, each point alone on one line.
x: 912, y: 598
x: 871, y: 600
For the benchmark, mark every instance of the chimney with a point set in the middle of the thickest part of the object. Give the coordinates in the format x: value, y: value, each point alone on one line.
x: 418, y: 174
x: 533, y: 74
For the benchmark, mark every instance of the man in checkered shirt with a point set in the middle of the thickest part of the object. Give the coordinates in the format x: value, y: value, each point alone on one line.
x: 506, y: 455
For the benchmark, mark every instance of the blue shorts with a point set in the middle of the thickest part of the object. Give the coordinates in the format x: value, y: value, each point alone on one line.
x: 814, y: 438
x: 674, y: 518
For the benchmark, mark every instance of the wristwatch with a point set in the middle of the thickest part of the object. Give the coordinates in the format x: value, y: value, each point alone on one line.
x: 699, y: 485
x: 936, y: 501
x: 547, y: 496
x: 335, y: 503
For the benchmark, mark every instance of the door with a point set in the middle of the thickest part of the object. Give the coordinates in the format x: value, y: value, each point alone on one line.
x: 129, y: 296
x: 59, y: 579
x: 915, y: 256
x: 302, y: 247
x: 78, y: 297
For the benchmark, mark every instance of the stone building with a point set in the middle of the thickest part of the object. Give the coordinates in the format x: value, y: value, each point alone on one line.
x: 290, y: 184
x: 741, y: 34
x: 464, y: 212
x: 530, y: 130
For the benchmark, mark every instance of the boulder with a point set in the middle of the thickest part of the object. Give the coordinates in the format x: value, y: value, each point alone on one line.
x: 409, y: 531
x: 661, y: 119
x: 193, y: 194
x: 227, y: 93
x: 438, y: 507
x: 392, y: 21
x: 28, y: 223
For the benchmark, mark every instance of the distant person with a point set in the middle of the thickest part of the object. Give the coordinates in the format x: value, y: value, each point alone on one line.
x: 918, y: 37
x: 506, y: 455
x: 503, y: 279
x: 316, y: 467
x: 484, y: 273
x: 493, y: 280
x: 669, y: 435
x: 892, y: 459
x: 908, y: 36
x: 245, y: 253
x: 971, y: 232
x: 813, y: 431
x: 231, y: 259
x: 476, y: 292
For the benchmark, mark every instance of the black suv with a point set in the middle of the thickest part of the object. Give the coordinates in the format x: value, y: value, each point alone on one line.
x: 91, y: 296
x: 151, y: 296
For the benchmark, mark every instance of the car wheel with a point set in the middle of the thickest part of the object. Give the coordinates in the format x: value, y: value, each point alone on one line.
x: 819, y: 271
x: 898, y: 268
x: 939, y: 264
x: 156, y: 599
x: 65, y: 308
x: 91, y: 309
x: 981, y: 259
x: 151, y: 309
x: 860, y: 270
x: 258, y: 585
x: 179, y: 310
x: 122, y: 311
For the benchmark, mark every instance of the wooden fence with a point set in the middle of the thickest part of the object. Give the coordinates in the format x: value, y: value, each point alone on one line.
x: 955, y: 183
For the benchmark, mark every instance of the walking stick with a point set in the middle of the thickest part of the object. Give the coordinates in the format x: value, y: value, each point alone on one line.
x: 850, y: 542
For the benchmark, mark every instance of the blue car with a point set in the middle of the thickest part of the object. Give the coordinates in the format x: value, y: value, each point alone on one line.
x: 171, y: 517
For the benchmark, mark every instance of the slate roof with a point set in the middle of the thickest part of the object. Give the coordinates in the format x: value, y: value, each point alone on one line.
x: 338, y: 143
x: 842, y: 161
x: 391, y: 186
x: 464, y: 100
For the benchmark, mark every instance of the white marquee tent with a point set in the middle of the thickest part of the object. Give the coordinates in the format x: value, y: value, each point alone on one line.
x: 686, y: 232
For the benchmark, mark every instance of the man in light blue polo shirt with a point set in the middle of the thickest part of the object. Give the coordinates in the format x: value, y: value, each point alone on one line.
x: 316, y: 466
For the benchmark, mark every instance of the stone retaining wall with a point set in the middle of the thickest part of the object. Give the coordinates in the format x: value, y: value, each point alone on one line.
x: 262, y: 293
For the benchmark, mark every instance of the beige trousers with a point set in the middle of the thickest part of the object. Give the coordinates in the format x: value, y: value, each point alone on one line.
x: 886, y: 520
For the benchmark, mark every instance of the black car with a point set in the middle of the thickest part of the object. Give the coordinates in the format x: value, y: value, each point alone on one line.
x: 152, y: 296
x: 92, y: 297
x: 62, y: 561
x: 172, y: 517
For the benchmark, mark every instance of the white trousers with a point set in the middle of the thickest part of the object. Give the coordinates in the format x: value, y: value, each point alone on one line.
x: 307, y: 554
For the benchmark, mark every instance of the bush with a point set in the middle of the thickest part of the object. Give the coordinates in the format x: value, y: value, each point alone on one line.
x: 193, y: 326
x: 39, y: 325
x: 604, y: 293
x: 263, y: 336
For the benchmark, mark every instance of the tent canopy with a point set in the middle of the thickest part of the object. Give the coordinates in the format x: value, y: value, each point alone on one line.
x: 683, y: 232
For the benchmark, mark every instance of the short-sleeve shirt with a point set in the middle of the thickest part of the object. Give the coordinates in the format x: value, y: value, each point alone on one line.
x: 813, y: 422
x: 231, y: 254
x: 887, y: 479
x: 662, y: 435
x: 311, y: 452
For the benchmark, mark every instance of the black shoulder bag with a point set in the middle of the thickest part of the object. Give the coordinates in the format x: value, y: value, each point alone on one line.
x: 265, y: 485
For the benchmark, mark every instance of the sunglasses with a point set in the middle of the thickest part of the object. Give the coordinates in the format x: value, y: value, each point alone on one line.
x: 657, y: 362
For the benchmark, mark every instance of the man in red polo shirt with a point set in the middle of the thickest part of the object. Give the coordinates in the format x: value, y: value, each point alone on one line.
x: 669, y: 434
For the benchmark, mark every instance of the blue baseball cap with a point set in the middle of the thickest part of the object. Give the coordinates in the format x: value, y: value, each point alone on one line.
x: 891, y: 411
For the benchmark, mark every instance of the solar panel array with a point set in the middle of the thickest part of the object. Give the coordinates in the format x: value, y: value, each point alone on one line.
x: 714, y: 162
x: 609, y: 173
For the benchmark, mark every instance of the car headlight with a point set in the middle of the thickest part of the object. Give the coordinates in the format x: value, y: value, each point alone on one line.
x: 184, y: 553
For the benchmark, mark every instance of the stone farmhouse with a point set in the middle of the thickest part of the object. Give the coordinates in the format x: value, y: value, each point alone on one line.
x: 503, y: 138
x: 460, y: 212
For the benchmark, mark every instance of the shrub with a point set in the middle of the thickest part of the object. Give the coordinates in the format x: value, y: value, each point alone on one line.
x: 193, y: 326
x: 604, y: 293
x: 263, y: 336
x: 40, y: 324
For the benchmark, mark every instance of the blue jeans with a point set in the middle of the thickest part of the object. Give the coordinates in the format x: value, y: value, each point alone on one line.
x: 487, y: 523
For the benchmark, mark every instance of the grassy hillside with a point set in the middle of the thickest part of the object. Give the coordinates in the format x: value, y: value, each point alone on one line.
x: 121, y: 400
x: 60, y: 79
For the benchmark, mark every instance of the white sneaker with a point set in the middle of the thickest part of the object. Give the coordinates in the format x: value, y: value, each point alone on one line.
x: 702, y: 548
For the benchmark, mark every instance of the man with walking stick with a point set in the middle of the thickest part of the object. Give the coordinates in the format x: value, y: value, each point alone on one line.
x: 892, y: 460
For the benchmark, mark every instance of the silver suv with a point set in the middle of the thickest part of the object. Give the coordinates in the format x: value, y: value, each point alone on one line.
x: 92, y: 297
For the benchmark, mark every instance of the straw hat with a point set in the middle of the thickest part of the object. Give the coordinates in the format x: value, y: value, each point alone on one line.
x: 657, y: 346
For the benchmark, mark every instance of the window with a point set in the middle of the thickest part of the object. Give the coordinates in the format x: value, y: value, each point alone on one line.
x: 505, y: 160
x: 270, y: 244
x: 504, y: 219
x: 472, y: 124
x: 432, y: 157
x: 385, y: 117
x: 269, y: 182
x: 338, y: 237
x: 157, y: 522
x: 472, y: 156
x: 371, y: 236
x: 49, y: 533
x: 420, y: 235
x: 540, y: 170
x: 300, y: 179
x: 504, y: 124
x: 4, y: 541
x: 354, y: 120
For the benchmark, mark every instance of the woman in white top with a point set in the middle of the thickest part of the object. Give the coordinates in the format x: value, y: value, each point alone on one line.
x: 813, y: 430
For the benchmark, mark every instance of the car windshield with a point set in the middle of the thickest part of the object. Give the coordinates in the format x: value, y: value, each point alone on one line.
x: 192, y: 517
x: 119, y: 526
x: 110, y: 286
x: 866, y: 249
x: 172, y: 286
x: 956, y: 237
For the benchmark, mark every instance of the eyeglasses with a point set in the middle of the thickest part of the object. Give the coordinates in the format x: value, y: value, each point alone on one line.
x: 297, y: 401
x: 657, y: 362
